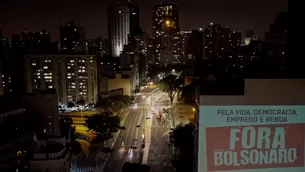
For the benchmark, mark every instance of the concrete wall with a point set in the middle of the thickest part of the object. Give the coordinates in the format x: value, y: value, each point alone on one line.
x: 45, y: 107
x: 53, y: 165
x: 116, y: 92
x: 119, y: 82
x: 263, y: 92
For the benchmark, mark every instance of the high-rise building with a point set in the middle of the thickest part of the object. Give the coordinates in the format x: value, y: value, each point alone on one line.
x: 118, y: 27
x: 98, y: 46
x: 35, y: 42
x: 184, y: 38
x: 221, y: 44
x: 234, y: 48
x: 249, y: 34
x: 277, y: 40
x: 166, y: 32
x: 135, y: 53
x: 73, y: 76
x: 194, y: 51
x: 15, y: 40
x: 134, y: 18
x: 151, y: 52
x: 72, y: 38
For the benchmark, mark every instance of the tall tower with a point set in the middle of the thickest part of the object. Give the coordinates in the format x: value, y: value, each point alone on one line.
x: 134, y: 18
x: 118, y: 27
x: 166, y: 32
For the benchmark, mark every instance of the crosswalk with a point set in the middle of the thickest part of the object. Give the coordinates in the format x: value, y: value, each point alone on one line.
x: 83, y: 169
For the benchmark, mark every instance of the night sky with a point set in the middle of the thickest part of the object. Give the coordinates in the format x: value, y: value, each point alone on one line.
x: 20, y: 15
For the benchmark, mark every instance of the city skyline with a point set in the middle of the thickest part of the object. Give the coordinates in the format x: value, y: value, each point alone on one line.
x: 93, y: 16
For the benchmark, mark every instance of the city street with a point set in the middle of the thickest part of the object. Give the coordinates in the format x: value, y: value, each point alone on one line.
x: 92, y: 158
x: 157, y: 149
x: 140, y: 121
x: 127, y: 146
x: 160, y: 152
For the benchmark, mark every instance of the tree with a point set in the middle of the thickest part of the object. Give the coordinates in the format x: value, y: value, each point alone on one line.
x: 114, y: 103
x: 182, y: 139
x: 67, y: 130
x: 81, y: 102
x: 103, y: 124
x: 135, y: 167
x: 188, y: 94
x: 171, y: 84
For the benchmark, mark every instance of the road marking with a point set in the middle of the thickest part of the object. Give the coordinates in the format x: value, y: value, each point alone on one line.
x: 123, y: 121
x: 155, y: 90
x: 166, y: 133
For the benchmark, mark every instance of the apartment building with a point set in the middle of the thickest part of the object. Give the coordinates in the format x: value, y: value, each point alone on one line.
x: 73, y: 76
x: 51, y: 154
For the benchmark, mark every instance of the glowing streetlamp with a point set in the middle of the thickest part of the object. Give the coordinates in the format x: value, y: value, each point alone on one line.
x: 167, y: 22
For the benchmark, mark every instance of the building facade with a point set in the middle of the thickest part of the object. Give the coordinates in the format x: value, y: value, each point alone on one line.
x: 134, y: 17
x: 43, y: 105
x: 222, y: 44
x: 123, y: 79
x: 251, y: 92
x: 118, y: 27
x: 192, y: 52
x: 277, y: 40
x: 15, y: 142
x: 166, y: 32
x: 73, y: 76
x: 51, y: 155
x: 72, y: 38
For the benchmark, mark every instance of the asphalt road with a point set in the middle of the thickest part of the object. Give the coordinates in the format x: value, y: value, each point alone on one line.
x: 127, y: 146
x: 160, y: 152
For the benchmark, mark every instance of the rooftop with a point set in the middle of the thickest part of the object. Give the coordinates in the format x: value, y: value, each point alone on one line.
x: 222, y: 87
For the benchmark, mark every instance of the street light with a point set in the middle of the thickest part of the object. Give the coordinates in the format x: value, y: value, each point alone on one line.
x: 167, y: 22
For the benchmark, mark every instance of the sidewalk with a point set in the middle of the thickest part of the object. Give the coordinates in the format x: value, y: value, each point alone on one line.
x: 183, y: 114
